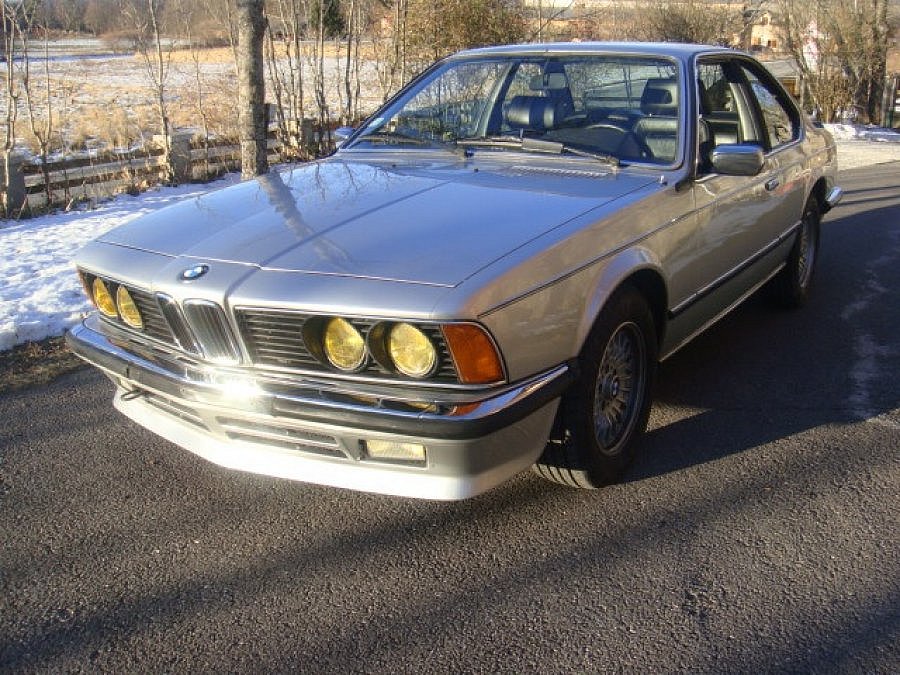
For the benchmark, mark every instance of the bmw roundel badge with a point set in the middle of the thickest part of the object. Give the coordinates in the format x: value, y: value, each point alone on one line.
x: 194, y: 272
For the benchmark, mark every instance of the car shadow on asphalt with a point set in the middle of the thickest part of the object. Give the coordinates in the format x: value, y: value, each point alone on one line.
x: 763, y: 374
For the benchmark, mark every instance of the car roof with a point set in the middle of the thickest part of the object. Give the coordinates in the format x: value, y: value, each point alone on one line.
x: 670, y: 49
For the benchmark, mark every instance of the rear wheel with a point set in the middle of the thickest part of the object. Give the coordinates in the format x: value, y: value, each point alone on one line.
x: 791, y: 287
x: 604, y: 414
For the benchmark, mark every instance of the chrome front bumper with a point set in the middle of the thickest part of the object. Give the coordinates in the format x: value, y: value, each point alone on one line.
x: 316, y: 430
x: 833, y: 198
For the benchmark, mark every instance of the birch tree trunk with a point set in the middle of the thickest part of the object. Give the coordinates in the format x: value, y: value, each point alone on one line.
x: 252, y: 88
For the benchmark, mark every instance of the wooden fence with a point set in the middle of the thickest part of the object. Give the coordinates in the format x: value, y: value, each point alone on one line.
x: 104, y: 174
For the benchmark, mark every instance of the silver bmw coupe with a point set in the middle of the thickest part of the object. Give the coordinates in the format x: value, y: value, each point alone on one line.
x: 481, y: 279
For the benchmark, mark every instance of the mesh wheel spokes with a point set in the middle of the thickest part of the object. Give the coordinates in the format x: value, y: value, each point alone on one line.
x: 619, y: 390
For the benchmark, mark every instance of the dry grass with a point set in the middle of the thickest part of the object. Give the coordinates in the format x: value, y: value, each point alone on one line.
x: 36, y: 363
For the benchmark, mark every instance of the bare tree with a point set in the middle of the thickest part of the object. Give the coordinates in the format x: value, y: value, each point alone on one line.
x: 284, y: 59
x: 251, y: 21
x: 16, y: 23
x: 694, y: 21
x: 186, y: 12
x: 224, y: 14
x: 840, y: 48
x: 355, y: 15
x: 41, y: 125
x: 144, y: 17
x: 391, y: 49
x: 546, y: 15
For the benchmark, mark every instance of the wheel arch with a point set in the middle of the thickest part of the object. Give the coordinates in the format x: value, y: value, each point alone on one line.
x: 820, y: 192
x: 640, y: 269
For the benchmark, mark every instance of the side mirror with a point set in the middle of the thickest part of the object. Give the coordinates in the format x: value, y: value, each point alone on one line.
x: 341, y: 134
x: 738, y: 160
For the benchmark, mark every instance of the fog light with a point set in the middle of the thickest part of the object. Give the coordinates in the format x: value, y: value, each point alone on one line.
x: 393, y: 451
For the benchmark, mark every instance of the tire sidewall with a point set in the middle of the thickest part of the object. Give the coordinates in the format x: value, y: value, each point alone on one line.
x: 601, y: 466
x: 797, y: 291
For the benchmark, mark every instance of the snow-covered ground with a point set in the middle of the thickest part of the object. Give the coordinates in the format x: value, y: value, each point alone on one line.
x: 864, y: 146
x: 40, y: 295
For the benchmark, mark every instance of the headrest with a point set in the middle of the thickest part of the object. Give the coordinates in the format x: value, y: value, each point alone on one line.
x: 537, y: 113
x: 552, y: 81
x: 660, y: 97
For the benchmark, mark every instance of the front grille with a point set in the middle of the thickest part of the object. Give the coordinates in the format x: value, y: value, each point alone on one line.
x: 155, y: 324
x: 174, y: 409
x: 177, y: 323
x: 289, y: 438
x: 211, y: 329
x: 275, y: 339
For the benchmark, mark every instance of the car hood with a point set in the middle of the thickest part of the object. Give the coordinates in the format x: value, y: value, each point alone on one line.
x: 428, y: 222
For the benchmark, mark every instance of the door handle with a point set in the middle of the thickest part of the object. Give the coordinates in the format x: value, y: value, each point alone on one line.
x: 772, y: 184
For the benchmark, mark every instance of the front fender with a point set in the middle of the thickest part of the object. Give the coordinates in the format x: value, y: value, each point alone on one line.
x: 617, y: 270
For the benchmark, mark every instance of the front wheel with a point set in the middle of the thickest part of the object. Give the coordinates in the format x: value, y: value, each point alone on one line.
x: 604, y: 414
x: 791, y: 287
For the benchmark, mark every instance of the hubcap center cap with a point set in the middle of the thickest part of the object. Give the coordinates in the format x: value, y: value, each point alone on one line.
x: 610, y: 387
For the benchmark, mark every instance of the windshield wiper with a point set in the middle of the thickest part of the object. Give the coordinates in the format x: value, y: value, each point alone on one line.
x: 490, y: 142
x: 557, y: 148
x: 529, y: 144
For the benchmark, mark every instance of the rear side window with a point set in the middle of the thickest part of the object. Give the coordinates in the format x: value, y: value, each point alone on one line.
x: 780, y: 119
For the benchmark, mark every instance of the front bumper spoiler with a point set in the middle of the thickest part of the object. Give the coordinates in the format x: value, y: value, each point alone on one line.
x: 473, y: 440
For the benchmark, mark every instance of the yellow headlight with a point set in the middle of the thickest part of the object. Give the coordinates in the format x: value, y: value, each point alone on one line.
x: 103, y: 299
x: 343, y: 344
x: 411, y: 351
x: 127, y: 309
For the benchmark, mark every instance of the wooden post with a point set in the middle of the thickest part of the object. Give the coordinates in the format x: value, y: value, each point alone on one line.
x: 180, y: 156
x: 14, y: 195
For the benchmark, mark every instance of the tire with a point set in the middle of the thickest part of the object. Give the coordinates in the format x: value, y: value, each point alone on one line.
x: 604, y: 413
x: 790, y: 288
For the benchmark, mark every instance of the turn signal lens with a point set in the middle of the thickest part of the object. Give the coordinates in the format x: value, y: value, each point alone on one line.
x: 344, y: 346
x: 103, y: 299
x: 127, y: 309
x: 411, y: 351
x: 476, y: 357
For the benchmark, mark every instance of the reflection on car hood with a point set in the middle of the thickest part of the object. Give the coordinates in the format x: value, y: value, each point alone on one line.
x: 430, y: 223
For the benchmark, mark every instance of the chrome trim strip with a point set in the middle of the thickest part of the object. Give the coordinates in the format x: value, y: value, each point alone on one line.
x: 698, y: 295
x: 503, y: 304
x: 722, y: 314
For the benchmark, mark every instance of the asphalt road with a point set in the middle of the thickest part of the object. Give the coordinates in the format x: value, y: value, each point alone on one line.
x: 758, y: 532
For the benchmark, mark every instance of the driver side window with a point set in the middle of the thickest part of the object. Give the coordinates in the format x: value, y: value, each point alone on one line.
x: 718, y: 105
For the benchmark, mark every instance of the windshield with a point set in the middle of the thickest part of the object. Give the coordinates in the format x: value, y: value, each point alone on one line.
x: 624, y: 107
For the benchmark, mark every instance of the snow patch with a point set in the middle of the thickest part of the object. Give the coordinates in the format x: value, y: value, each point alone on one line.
x: 859, y: 132
x: 40, y: 294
